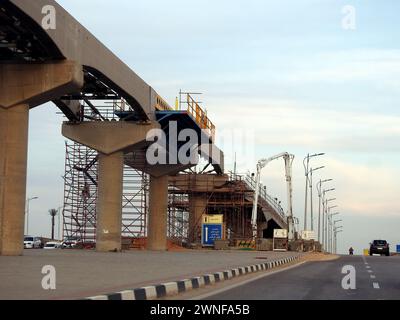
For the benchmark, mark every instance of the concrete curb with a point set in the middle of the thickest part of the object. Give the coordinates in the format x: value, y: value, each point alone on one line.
x: 176, y: 287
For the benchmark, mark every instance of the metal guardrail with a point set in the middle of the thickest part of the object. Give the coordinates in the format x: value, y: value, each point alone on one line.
x: 251, y: 182
x: 200, y: 116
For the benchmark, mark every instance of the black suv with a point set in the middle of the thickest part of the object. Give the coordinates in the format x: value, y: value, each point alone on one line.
x: 379, y: 247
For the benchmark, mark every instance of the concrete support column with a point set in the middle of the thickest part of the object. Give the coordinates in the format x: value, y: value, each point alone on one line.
x: 158, y: 206
x: 197, y: 207
x: 13, y: 162
x: 109, y: 202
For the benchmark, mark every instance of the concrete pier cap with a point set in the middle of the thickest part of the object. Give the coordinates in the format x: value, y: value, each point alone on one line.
x: 24, y: 86
x: 113, y: 139
x: 108, y: 137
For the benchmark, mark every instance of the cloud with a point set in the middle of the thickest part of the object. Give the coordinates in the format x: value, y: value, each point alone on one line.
x: 293, y: 124
x: 366, y: 189
x: 342, y: 66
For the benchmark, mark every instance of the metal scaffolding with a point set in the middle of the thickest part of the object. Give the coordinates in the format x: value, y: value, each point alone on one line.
x: 80, y: 196
x: 80, y: 192
x: 233, y: 201
x: 80, y: 182
x: 134, y: 203
x: 178, y: 216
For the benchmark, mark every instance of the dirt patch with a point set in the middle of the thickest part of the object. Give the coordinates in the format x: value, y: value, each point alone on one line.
x: 318, y: 256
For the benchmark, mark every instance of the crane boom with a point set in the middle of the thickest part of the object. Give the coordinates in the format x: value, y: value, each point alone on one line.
x: 288, y: 173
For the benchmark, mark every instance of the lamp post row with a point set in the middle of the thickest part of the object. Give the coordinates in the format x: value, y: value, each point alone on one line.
x: 327, y: 232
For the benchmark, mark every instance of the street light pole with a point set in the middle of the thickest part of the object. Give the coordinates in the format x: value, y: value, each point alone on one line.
x: 321, y: 198
x: 330, y: 237
x: 333, y: 234
x: 336, y: 232
x: 27, y: 213
x: 311, y: 195
x: 327, y: 223
x: 324, y: 216
x: 305, y: 199
x: 306, y: 166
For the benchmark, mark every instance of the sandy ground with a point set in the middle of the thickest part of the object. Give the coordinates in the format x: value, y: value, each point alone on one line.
x: 318, y: 256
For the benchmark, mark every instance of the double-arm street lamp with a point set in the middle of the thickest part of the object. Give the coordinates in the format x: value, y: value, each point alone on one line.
x: 331, y: 227
x: 327, y: 223
x: 324, y: 215
x: 336, y: 230
x: 311, y: 195
x: 306, y: 163
x: 27, y: 212
x: 321, y: 196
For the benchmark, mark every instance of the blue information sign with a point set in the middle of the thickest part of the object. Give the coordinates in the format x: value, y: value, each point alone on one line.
x: 398, y: 248
x: 211, y: 232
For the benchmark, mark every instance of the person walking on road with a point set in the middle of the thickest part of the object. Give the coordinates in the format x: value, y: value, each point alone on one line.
x: 351, y: 250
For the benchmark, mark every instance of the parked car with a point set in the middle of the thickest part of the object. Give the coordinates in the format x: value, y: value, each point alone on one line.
x: 70, y: 242
x: 379, y: 247
x: 31, y: 242
x: 52, y: 245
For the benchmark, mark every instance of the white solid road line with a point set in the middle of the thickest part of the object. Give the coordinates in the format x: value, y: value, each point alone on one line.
x: 376, y: 285
x: 206, y: 295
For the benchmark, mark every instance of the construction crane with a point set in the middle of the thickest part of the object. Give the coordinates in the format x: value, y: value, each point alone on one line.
x: 288, y: 172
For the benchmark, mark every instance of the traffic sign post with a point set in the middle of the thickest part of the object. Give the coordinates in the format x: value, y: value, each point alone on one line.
x: 280, y: 240
x: 210, y: 233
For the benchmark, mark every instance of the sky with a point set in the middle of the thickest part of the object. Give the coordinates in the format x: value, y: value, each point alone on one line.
x: 276, y: 75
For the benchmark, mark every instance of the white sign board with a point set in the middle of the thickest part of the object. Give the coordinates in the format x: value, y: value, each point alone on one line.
x: 280, y: 233
x: 308, y: 235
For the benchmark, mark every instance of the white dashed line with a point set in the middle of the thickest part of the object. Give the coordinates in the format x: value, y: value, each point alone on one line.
x: 372, y: 276
x: 368, y: 267
x: 376, y: 285
x: 370, y: 271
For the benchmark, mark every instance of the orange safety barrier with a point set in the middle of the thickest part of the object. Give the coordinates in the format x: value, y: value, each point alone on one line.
x: 200, y: 116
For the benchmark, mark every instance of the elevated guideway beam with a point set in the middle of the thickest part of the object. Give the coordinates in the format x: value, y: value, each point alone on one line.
x: 67, y: 65
x: 71, y: 41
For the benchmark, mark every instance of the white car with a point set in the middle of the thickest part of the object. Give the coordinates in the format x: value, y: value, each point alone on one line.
x: 52, y: 245
x: 70, y: 242
x: 32, y: 242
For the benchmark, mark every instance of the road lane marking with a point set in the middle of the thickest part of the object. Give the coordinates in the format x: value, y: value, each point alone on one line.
x: 376, y: 285
x: 368, y: 267
x: 372, y: 276
x: 218, y: 291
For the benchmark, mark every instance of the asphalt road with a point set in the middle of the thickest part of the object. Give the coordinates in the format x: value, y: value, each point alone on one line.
x: 376, y: 278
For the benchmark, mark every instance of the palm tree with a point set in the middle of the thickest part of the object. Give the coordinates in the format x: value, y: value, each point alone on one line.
x: 53, y: 213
